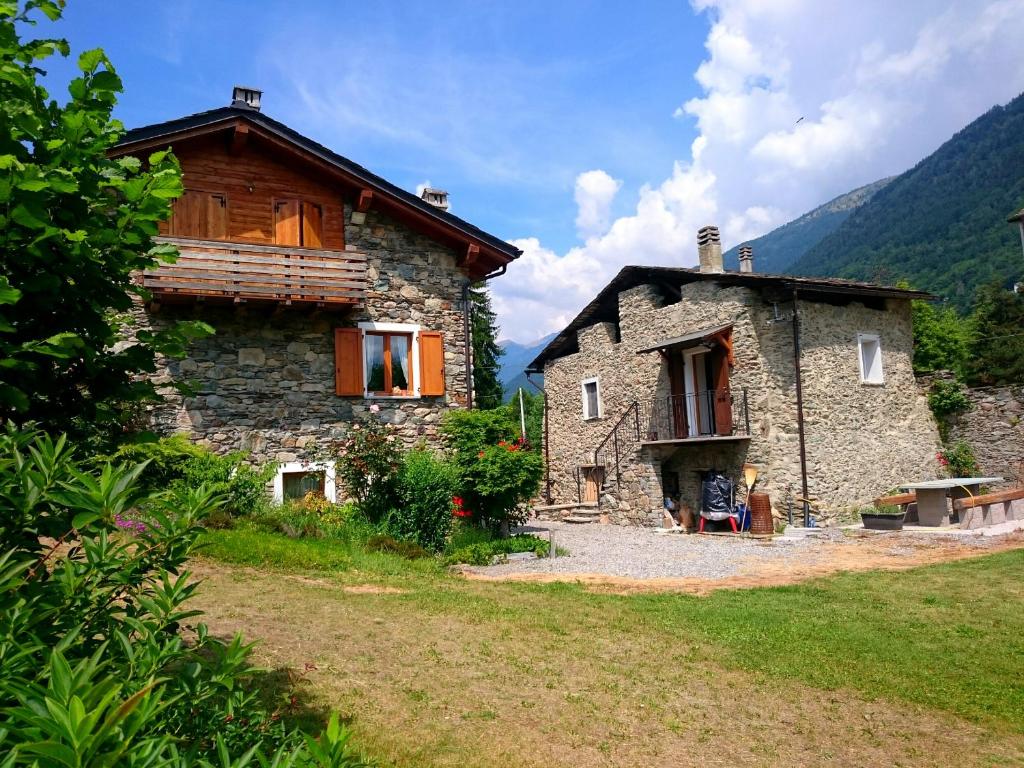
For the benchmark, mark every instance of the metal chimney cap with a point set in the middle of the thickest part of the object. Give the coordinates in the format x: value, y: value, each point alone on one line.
x: 247, y: 98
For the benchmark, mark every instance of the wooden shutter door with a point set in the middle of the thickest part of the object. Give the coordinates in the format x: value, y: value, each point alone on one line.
x: 312, y: 225
x: 188, y: 215
x: 348, y: 362
x: 286, y: 222
x: 719, y: 362
x: 216, y: 217
x: 431, y: 364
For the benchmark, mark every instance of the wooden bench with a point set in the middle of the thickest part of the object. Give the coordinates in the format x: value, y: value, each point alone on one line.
x: 899, y: 500
x: 990, y: 508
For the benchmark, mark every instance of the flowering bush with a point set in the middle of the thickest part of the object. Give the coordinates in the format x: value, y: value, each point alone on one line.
x: 958, y: 460
x: 368, y: 461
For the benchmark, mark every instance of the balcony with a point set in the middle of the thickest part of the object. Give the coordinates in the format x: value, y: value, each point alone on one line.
x: 242, y: 272
x: 714, y: 415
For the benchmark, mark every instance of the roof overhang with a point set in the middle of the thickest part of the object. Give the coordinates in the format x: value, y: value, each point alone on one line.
x: 479, y: 253
x: 690, y: 340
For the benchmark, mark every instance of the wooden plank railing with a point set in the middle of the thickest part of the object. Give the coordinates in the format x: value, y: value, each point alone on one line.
x: 260, y: 272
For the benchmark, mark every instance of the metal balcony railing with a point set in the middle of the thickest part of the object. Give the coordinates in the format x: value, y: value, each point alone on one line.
x: 699, y: 415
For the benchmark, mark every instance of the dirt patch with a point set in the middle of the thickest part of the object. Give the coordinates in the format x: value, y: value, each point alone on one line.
x: 864, y: 552
x: 372, y: 589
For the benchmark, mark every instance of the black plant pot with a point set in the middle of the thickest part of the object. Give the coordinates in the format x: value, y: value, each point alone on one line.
x: 883, y: 522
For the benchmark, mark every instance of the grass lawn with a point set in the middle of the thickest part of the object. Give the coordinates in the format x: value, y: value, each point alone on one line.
x: 920, y: 667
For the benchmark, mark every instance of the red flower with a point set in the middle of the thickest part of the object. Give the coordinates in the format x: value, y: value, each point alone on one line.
x: 462, y: 513
x: 480, y: 455
x: 457, y: 501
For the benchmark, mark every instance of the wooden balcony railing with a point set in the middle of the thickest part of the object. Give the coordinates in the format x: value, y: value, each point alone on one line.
x: 249, y: 271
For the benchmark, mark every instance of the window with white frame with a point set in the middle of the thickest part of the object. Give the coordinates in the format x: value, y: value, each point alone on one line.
x: 390, y: 359
x: 591, y: 393
x: 869, y: 348
x: 295, y: 479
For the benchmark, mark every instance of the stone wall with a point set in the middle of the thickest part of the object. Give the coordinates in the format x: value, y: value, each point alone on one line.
x: 861, y: 440
x: 994, y: 428
x: 265, y: 382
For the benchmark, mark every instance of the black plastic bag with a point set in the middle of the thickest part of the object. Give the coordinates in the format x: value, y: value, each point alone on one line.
x: 716, y: 495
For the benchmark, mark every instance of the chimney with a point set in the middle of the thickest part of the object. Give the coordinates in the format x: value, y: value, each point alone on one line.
x: 436, y: 197
x: 709, y: 249
x: 246, y: 98
x: 746, y: 258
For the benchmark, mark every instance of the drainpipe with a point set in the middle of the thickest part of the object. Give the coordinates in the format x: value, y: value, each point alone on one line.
x: 800, y: 407
x: 547, y: 463
x: 467, y: 333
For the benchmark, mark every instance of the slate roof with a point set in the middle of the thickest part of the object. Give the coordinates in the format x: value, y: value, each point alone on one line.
x: 604, y: 307
x: 230, y: 114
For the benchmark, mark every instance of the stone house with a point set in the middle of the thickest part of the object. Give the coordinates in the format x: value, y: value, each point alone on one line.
x: 669, y: 372
x: 331, y: 290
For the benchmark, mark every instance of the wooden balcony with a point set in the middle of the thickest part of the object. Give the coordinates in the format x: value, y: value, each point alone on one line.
x: 242, y: 272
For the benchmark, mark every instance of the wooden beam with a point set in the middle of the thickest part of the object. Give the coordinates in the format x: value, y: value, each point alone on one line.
x: 239, y: 139
x: 472, y: 254
x: 365, y: 200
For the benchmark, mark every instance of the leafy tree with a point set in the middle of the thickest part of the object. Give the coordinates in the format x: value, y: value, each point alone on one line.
x: 77, y: 227
x: 484, y: 331
x: 942, y: 339
x: 998, y: 350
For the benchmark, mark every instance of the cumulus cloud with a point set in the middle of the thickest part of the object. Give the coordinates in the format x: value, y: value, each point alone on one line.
x: 800, y: 100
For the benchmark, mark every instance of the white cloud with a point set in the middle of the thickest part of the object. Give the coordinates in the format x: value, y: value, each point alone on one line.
x: 595, y: 191
x: 801, y: 100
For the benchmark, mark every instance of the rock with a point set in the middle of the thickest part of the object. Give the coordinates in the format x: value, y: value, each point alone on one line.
x: 298, y: 348
x: 292, y: 373
x: 252, y: 356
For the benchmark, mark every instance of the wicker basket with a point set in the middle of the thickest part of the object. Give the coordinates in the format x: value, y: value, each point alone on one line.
x: 761, y: 521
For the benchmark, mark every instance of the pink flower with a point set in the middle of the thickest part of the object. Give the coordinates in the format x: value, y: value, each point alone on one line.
x: 374, y: 408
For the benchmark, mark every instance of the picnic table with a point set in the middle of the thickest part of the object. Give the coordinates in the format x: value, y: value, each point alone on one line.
x: 932, y: 505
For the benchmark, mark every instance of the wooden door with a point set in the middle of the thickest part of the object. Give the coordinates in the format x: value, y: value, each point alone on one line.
x: 312, y: 225
x: 718, y: 361
x: 594, y: 479
x: 286, y: 222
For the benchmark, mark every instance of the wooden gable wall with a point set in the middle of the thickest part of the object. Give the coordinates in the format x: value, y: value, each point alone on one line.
x: 252, y: 181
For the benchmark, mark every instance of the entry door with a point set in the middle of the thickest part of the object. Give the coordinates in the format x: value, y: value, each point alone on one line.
x: 699, y: 393
x: 594, y: 480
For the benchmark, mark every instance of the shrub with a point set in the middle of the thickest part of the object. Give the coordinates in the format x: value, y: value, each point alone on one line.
x: 947, y: 399
x: 497, y: 472
x: 315, y: 517
x: 410, y: 550
x: 95, y: 670
x: 166, y: 459
x: 959, y: 460
x: 483, y: 552
x: 426, y: 485
x: 368, y: 461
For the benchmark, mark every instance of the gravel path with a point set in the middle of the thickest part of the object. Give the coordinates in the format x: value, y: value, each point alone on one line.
x: 640, y: 553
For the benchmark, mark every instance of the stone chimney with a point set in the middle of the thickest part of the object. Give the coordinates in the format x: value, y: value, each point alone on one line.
x: 709, y: 249
x: 247, y: 98
x: 436, y: 197
x: 746, y: 258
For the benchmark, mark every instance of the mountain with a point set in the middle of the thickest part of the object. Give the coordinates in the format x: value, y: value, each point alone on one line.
x: 512, y: 364
x: 942, y: 224
x: 780, y: 248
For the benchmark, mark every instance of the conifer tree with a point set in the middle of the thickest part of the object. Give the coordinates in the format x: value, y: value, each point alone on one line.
x: 484, y: 332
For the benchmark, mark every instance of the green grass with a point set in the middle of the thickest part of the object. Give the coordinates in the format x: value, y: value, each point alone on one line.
x: 948, y: 637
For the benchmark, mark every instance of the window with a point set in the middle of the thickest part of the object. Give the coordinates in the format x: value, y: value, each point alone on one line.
x: 591, y: 399
x: 295, y: 479
x: 298, y: 222
x: 869, y: 347
x: 202, y: 215
x: 388, y: 360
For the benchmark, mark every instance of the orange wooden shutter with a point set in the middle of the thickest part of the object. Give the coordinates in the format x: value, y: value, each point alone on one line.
x: 348, y: 362
x: 718, y: 359
x: 431, y: 364
x: 286, y: 222
x: 188, y: 214
x: 312, y: 225
x: 216, y: 217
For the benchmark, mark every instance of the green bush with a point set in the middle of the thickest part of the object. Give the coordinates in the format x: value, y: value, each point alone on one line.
x: 946, y: 399
x: 368, y: 461
x: 426, y: 485
x: 166, y: 459
x: 314, y: 517
x: 484, y: 552
x: 95, y: 670
x: 958, y: 459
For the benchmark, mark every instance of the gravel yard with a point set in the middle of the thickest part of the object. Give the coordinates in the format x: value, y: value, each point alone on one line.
x: 620, y: 552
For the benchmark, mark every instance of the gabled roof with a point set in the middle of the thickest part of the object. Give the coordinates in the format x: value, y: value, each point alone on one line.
x: 605, y: 306
x: 224, y: 118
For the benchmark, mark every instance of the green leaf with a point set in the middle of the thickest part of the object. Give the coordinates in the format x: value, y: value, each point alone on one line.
x: 32, y: 185
x: 8, y: 293
x: 89, y: 60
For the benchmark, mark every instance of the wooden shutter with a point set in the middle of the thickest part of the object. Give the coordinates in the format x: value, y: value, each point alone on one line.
x: 348, y: 362
x: 718, y: 359
x: 312, y: 225
x: 286, y: 222
x: 431, y: 364
x: 188, y: 214
x: 216, y: 217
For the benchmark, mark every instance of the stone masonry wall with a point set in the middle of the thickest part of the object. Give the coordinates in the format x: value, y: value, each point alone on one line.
x: 861, y: 440
x: 265, y: 382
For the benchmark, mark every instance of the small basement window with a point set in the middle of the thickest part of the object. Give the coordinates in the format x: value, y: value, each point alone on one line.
x: 869, y: 347
x: 591, y: 399
x: 295, y: 479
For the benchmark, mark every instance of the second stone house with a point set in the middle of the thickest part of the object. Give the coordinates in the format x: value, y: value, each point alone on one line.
x: 670, y: 372
x: 332, y: 291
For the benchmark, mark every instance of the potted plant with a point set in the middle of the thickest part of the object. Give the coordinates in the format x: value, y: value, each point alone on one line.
x: 887, y: 517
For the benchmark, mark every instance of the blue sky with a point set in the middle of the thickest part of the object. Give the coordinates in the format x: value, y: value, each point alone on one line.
x: 591, y: 134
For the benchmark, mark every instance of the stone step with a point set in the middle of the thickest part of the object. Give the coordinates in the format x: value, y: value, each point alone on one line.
x: 580, y: 519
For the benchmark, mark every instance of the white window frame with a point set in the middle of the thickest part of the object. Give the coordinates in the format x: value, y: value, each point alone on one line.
x: 876, y: 339
x: 330, y: 484
x: 414, y: 356
x: 595, y: 380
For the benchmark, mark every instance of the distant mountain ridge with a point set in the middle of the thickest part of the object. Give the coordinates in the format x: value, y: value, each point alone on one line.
x: 776, y: 251
x: 512, y: 364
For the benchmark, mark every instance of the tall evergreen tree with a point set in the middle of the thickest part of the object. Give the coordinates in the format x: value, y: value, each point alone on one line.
x: 484, y: 332
x: 998, y: 320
